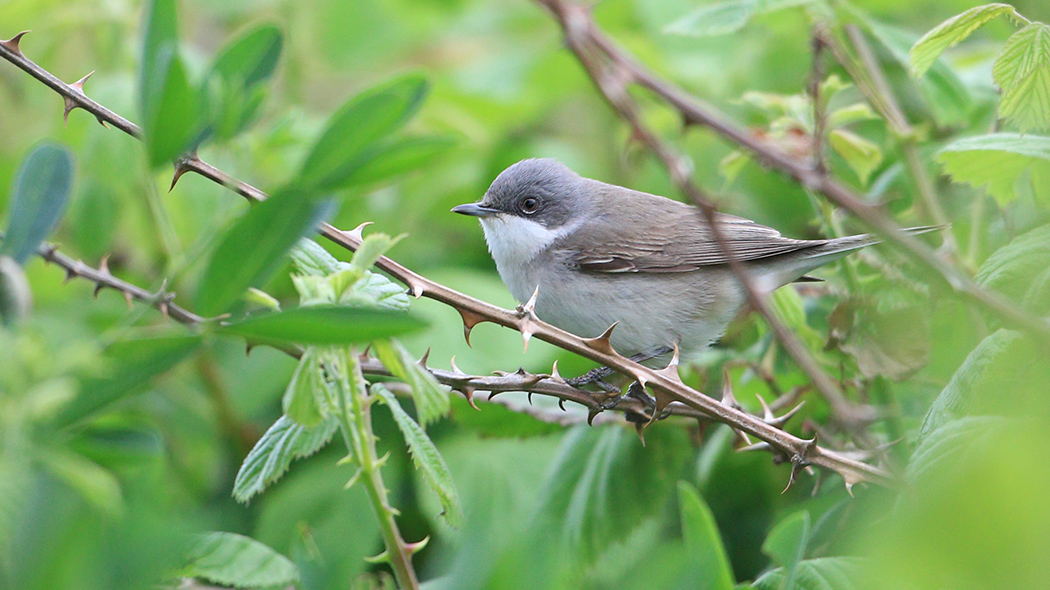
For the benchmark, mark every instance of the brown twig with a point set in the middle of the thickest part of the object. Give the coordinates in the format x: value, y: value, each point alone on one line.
x: 696, y: 112
x: 665, y: 384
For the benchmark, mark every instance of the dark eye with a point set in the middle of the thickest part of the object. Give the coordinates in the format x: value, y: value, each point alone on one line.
x: 529, y: 205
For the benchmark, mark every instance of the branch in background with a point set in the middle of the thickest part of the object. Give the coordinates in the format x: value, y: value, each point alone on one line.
x: 576, y: 21
x: 666, y: 384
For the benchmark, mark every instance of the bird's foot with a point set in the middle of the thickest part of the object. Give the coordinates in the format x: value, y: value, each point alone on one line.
x: 598, y: 375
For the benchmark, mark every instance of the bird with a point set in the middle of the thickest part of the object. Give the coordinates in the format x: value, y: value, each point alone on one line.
x: 597, y: 254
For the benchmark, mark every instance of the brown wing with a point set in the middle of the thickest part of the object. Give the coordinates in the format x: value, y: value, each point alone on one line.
x: 666, y: 237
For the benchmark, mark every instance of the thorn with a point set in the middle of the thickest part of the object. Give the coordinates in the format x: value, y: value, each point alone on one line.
x: 455, y: 369
x: 528, y: 314
x: 163, y: 307
x: 12, y: 44
x: 601, y: 343
x: 415, y: 288
x: 422, y: 362
x: 530, y: 398
x: 529, y: 309
x: 470, y: 319
x: 358, y: 233
x: 180, y: 169
x: 639, y: 427
x: 248, y: 346
x: 71, y: 104
x: 526, y: 335
x: 103, y: 265
x: 418, y: 546
x: 555, y: 375
x: 728, y: 399
x: 561, y: 404
x: 759, y: 446
x: 381, y: 558
x: 662, y: 401
x: 468, y: 392
x: 782, y: 420
x: 128, y: 298
x: 354, y: 478
x: 591, y: 414
x: 767, y: 414
x: 98, y: 287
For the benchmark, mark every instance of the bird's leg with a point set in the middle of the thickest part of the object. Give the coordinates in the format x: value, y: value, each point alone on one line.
x: 598, y: 374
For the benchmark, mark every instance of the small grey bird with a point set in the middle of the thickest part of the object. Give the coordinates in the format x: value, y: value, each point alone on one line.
x: 601, y: 253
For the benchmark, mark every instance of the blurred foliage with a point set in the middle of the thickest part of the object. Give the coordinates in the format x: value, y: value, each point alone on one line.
x: 123, y: 438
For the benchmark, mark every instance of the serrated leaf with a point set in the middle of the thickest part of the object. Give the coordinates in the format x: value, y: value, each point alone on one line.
x: 41, y: 192
x: 235, y: 560
x: 271, y: 456
x: 324, y: 325
x: 787, y: 542
x: 365, y: 119
x: 310, y: 258
x: 862, y: 155
x: 824, y: 573
x: 947, y: 34
x: 132, y: 364
x: 254, y: 246
x: 706, y: 554
x: 431, y: 397
x: 945, y: 448
x: 594, y: 484
x: 376, y: 291
x: 998, y: 161
x: 304, y: 398
x: 1022, y: 72
x: 1021, y: 270
x: 426, y: 458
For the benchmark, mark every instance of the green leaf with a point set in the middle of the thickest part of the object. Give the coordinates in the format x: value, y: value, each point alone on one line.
x: 281, y: 444
x: 947, y: 34
x: 594, y: 484
x: 1021, y: 270
x: 945, y: 448
x: 167, y: 102
x: 825, y: 573
x: 310, y: 258
x: 16, y: 299
x: 787, y: 542
x: 242, y: 562
x: 324, y: 325
x: 945, y: 94
x: 304, y: 398
x: 394, y: 157
x: 432, y: 398
x: 426, y: 458
x: 862, y: 155
x: 723, y: 18
x: 849, y: 114
x: 998, y: 161
x: 889, y: 338
x: 40, y: 195
x: 132, y: 365
x: 372, y: 247
x: 378, y: 292
x: 706, y: 554
x: 253, y: 247
x: 1022, y: 72
x: 229, y: 89
x: 733, y: 164
x: 96, y: 485
x: 351, y: 131
x: 252, y: 57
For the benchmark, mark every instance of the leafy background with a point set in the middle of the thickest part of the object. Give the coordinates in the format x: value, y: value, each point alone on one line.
x: 114, y: 501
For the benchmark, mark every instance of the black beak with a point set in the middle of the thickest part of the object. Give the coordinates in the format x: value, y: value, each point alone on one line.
x: 474, y: 210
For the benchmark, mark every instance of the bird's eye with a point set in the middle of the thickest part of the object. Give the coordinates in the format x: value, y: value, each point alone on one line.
x: 529, y: 205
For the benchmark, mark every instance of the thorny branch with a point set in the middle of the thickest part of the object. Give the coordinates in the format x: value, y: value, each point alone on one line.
x: 577, y: 23
x: 666, y: 384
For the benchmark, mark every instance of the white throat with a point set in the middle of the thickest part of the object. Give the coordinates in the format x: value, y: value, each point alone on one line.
x: 514, y: 242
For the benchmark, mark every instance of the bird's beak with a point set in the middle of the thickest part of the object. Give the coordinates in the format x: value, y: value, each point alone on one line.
x: 474, y: 210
